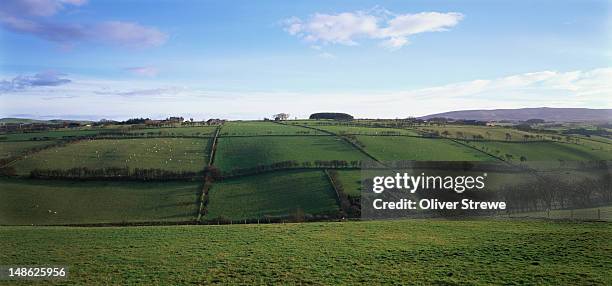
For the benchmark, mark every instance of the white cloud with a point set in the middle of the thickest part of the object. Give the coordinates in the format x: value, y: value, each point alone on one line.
x: 128, y: 98
x: 34, y: 17
x: 348, y: 27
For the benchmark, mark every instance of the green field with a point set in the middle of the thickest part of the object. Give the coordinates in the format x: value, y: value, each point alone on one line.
x: 543, y: 151
x: 51, y: 134
x: 428, y: 252
x: 11, y: 149
x: 389, y: 148
x: 351, y: 181
x: 26, y: 202
x: 243, y: 152
x: 176, y: 131
x: 358, y: 130
x: 278, y: 194
x: 261, y: 128
x: 487, y: 132
x: 174, y: 154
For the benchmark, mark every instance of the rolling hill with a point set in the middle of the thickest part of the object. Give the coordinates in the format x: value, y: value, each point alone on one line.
x: 522, y: 114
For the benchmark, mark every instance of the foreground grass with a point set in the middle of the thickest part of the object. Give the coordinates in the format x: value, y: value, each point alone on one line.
x: 411, y: 252
x: 25, y: 202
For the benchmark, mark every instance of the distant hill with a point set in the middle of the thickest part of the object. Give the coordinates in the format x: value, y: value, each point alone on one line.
x: 523, y: 114
x: 26, y: 120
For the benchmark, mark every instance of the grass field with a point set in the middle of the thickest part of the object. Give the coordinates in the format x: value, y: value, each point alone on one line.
x: 543, y: 151
x: 254, y: 128
x: 351, y: 181
x: 343, y: 129
x: 51, y: 134
x: 388, y: 148
x: 174, y: 154
x: 10, y: 149
x: 242, y: 152
x: 428, y: 252
x: 177, y: 131
x: 26, y: 202
x: 487, y: 132
x: 276, y: 194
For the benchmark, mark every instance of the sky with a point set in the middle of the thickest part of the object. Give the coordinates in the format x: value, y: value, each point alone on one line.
x: 94, y: 59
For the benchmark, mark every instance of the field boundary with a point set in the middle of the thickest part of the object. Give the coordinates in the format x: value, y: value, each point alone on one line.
x: 363, y: 151
x: 208, y: 177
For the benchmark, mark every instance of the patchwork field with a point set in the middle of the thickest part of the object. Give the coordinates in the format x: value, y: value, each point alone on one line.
x: 388, y: 148
x: 176, y: 131
x: 429, y: 252
x: 487, y: 132
x: 343, y: 129
x: 255, y: 128
x: 11, y: 149
x: 26, y: 202
x: 173, y: 154
x: 543, y: 151
x: 51, y: 134
x: 243, y: 152
x: 278, y: 194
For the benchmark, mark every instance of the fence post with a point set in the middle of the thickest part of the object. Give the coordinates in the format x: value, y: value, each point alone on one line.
x: 599, y: 214
x: 572, y: 214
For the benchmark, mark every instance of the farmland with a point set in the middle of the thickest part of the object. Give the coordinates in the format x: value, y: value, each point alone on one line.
x: 11, y: 149
x: 254, y: 128
x: 488, y: 133
x: 174, y: 154
x: 26, y: 202
x: 428, y: 252
x: 542, y: 151
x: 244, y: 152
x: 272, y: 195
x: 410, y: 148
x: 322, y: 252
x: 175, y: 131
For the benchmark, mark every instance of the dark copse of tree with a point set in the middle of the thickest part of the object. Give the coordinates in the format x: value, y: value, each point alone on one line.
x: 134, y: 121
x: 331, y: 115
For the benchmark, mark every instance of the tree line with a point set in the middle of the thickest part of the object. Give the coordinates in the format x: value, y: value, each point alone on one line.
x: 286, y: 165
x: 123, y: 173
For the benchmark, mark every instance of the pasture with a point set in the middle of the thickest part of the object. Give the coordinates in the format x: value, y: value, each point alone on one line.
x: 351, y: 181
x: 172, y: 154
x: 204, y: 131
x: 261, y: 128
x: 279, y: 194
x: 389, y: 148
x: 542, y: 151
x: 12, y: 149
x: 244, y: 152
x: 47, y: 135
x: 487, y: 132
x: 481, y: 252
x: 37, y: 202
x: 361, y: 130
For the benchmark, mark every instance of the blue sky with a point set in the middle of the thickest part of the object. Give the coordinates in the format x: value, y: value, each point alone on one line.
x: 249, y: 59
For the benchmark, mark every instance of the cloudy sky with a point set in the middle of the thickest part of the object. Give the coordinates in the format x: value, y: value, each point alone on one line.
x: 93, y: 59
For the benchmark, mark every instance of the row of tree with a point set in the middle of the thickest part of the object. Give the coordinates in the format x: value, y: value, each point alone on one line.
x: 84, y: 173
x: 285, y: 165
